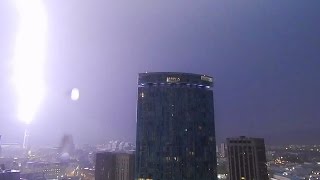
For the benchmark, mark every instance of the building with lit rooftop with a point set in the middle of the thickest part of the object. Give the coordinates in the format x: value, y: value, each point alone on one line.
x: 175, y: 127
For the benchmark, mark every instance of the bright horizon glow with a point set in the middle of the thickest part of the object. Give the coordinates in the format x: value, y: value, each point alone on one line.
x: 29, y: 57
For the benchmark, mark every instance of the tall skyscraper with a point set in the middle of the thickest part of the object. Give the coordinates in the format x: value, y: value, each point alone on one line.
x: 175, y: 127
x: 247, y: 159
x: 114, y: 166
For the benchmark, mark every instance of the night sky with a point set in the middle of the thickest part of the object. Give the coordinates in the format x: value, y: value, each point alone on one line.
x: 264, y: 56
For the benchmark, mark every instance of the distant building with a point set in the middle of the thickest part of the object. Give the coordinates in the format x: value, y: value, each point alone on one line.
x: 223, y: 150
x: 247, y: 158
x: 118, y: 146
x: 66, y: 148
x: 0, y: 147
x: 175, y: 127
x: 283, y: 177
x: 9, y: 175
x: 114, y: 166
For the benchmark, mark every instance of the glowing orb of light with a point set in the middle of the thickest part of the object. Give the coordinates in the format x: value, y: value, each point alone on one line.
x: 29, y: 57
x: 65, y: 156
x: 75, y: 94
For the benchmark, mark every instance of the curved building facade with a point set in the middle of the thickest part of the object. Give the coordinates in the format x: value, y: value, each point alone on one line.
x: 175, y: 127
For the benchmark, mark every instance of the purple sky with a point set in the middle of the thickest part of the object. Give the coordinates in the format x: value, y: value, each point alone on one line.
x: 264, y: 56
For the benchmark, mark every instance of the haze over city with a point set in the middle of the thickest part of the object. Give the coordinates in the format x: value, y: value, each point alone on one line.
x: 264, y: 57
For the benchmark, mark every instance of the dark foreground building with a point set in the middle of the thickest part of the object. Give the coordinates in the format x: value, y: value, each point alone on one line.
x: 9, y: 175
x: 114, y: 166
x: 175, y: 127
x: 247, y: 159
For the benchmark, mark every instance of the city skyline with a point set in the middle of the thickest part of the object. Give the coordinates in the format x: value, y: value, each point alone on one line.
x: 263, y: 56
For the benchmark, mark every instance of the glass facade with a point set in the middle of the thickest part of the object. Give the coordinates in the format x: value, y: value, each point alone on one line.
x: 175, y: 127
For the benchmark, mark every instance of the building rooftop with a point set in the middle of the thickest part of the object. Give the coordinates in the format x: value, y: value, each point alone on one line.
x: 175, y: 78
